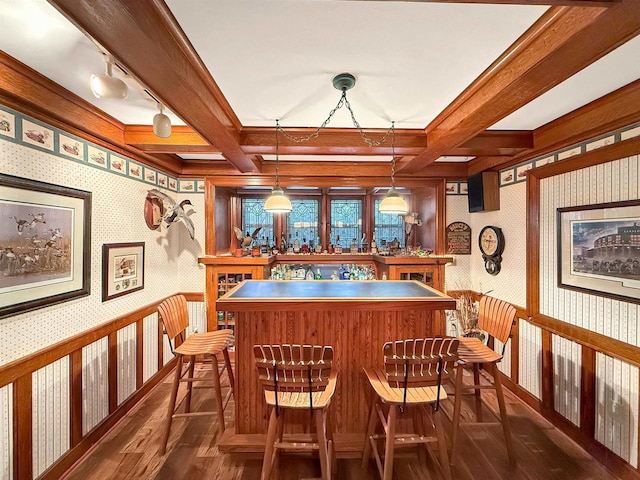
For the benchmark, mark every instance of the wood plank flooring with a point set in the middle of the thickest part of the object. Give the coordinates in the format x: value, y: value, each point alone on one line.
x: 129, y: 451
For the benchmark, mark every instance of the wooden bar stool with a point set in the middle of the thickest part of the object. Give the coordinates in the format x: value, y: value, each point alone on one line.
x: 297, y: 377
x: 412, y: 377
x: 175, y: 317
x: 496, y: 317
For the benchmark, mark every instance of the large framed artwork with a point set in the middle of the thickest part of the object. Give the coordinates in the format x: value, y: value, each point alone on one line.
x: 45, y: 244
x: 122, y: 269
x: 599, y: 249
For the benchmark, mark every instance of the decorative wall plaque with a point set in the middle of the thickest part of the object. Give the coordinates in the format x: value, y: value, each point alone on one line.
x: 459, y: 238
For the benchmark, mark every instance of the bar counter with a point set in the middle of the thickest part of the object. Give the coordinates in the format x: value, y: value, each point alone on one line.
x: 355, y: 317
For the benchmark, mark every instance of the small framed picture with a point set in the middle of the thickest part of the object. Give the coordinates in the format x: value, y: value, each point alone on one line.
x: 122, y: 269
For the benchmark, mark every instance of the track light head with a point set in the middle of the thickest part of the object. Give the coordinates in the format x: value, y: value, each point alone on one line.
x: 108, y: 86
x: 161, y: 124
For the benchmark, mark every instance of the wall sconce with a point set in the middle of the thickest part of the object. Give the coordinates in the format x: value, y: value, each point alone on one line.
x: 108, y: 86
x: 161, y: 124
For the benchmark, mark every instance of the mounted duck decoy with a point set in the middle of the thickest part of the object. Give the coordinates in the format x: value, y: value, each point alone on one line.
x: 245, y: 241
x: 174, y: 212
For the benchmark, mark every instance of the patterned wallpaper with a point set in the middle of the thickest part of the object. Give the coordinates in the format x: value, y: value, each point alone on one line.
x: 171, y: 257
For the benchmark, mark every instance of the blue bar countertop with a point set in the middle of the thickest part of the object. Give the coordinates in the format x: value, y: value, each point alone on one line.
x: 250, y: 294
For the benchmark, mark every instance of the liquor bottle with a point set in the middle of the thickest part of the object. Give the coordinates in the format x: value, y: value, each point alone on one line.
x: 283, y: 244
x: 318, y: 246
x: 290, y: 245
x: 374, y: 245
x: 296, y: 244
x: 364, y: 244
x: 338, y: 247
x: 265, y: 248
x: 274, y: 249
x: 353, y: 248
x: 304, y: 248
x: 330, y: 247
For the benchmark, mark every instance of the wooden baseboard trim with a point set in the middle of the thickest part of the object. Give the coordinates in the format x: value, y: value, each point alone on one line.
x: 66, y: 462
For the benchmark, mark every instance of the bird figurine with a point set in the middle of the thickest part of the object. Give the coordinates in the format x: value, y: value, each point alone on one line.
x: 245, y: 241
x: 410, y: 219
x: 20, y: 224
x: 174, y: 212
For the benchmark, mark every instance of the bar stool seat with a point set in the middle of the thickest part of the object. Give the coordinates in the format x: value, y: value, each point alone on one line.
x: 174, y: 315
x: 496, y: 317
x: 297, y: 377
x: 412, y: 377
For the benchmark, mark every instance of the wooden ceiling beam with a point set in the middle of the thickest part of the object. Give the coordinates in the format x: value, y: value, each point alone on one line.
x: 495, y: 142
x: 343, y: 141
x: 165, y: 62
x: 183, y: 139
x: 247, y: 180
x: 562, y: 42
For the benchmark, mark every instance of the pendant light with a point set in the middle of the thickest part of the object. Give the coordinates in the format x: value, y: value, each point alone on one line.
x: 392, y: 201
x: 277, y: 201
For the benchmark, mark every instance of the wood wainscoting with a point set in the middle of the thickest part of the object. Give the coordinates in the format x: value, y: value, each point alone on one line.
x: 65, y: 395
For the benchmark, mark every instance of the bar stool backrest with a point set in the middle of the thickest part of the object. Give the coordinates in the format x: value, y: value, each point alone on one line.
x: 294, y: 368
x: 496, y: 317
x: 422, y: 362
x: 174, y: 315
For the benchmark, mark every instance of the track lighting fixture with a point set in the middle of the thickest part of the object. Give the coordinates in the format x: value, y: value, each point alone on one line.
x: 108, y: 86
x: 161, y: 123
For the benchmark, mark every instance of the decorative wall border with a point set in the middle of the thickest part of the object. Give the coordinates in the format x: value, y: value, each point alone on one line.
x: 518, y: 173
x: 24, y: 130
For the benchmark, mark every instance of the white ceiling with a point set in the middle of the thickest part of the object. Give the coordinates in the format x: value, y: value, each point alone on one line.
x: 276, y: 58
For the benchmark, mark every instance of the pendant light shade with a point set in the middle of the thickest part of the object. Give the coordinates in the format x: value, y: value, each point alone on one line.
x: 161, y: 124
x: 108, y: 86
x: 392, y: 201
x: 277, y: 201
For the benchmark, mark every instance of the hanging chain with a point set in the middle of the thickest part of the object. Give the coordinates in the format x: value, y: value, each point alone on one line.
x: 343, y: 102
x: 277, y: 160
x: 393, y: 153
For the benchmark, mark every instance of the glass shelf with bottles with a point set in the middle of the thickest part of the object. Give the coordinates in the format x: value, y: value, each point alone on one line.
x: 322, y: 272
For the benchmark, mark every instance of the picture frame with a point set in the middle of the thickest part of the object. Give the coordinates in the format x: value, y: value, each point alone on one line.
x: 122, y: 269
x: 45, y: 244
x: 599, y: 249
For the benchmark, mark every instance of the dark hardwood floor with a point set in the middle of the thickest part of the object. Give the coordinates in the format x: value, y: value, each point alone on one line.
x: 129, y: 451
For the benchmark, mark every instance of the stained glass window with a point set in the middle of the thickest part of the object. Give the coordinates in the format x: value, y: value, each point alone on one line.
x: 346, y: 221
x: 254, y: 216
x: 387, y: 226
x: 303, y: 220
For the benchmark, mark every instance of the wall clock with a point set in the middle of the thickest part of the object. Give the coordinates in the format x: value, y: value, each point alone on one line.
x: 491, y: 241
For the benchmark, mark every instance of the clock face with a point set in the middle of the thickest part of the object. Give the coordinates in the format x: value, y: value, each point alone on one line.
x: 489, y: 241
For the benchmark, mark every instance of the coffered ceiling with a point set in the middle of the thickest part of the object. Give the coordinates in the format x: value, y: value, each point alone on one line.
x: 469, y: 85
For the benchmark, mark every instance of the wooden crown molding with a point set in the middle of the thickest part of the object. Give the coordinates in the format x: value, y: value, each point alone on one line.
x: 562, y: 42
x: 606, y: 114
x: 164, y: 61
x: 568, y: 3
